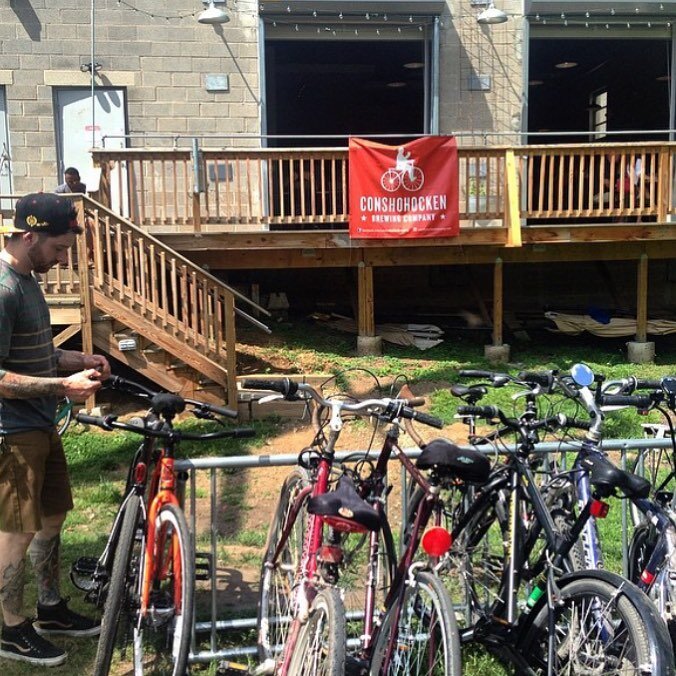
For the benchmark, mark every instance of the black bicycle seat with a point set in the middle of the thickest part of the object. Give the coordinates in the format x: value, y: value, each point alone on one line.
x: 344, y: 509
x: 606, y: 477
x: 448, y: 459
x: 470, y: 394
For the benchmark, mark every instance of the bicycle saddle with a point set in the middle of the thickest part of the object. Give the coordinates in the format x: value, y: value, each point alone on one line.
x: 470, y: 394
x: 450, y: 460
x: 344, y: 509
x: 605, y: 476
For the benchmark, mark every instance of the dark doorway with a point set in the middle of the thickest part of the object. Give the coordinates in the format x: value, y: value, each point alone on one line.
x: 344, y: 87
x: 567, y: 78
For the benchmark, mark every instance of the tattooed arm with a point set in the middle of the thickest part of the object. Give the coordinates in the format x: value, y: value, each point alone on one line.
x: 77, y: 387
x: 15, y: 386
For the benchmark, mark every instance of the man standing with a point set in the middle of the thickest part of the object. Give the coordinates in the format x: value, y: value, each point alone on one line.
x: 35, y: 490
x: 72, y: 182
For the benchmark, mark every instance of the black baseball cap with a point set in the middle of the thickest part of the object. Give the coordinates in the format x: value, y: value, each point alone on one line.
x: 44, y: 212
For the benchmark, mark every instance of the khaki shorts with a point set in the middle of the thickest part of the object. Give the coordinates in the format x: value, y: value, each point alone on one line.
x: 33, y: 480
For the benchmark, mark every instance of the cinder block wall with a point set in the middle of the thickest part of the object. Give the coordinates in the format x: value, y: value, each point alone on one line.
x: 470, y: 51
x: 163, y: 62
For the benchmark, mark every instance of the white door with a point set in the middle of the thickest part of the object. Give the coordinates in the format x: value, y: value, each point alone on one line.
x: 79, y: 129
x: 5, y: 157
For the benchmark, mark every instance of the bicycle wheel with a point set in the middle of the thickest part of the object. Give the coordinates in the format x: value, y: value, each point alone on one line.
x: 278, y: 577
x: 354, y: 577
x: 413, y: 181
x: 162, y: 637
x: 390, y: 180
x: 426, y: 639
x: 473, y: 568
x: 121, y: 586
x: 320, y: 647
x: 656, y: 465
x: 64, y: 413
x: 598, y: 629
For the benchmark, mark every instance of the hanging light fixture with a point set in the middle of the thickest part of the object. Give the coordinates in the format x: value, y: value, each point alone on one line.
x: 212, y: 14
x: 491, y: 15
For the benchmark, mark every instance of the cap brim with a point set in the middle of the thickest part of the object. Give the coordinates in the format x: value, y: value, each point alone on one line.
x: 9, y: 230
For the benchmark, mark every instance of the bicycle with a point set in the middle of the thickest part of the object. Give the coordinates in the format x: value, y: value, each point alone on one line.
x: 410, y: 179
x: 145, y: 576
x: 582, y: 622
x: 652, y: 548
x: 64, y: 415
x: 418, y: 625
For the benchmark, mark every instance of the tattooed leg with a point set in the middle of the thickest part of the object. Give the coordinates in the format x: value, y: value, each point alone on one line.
x: 44, y: 555
x: 12, y: 568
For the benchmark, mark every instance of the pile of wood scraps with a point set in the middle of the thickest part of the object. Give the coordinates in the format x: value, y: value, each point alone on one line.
x: 421, y: 336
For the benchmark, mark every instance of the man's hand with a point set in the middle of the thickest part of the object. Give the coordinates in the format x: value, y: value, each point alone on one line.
x: 98, y: 362
x: 82, y: 385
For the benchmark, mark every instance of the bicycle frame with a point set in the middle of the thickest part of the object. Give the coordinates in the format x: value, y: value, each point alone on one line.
x: 313, y: 540
x: 162, y: 492
x: 431, y: 504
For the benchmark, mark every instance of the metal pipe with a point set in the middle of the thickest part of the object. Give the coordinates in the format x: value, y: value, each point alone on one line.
x: 291, y: 459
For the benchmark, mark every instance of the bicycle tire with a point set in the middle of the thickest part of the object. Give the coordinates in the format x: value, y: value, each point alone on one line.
x: 426, y: 614
x: 623, y: 632
x: 354, y: 574
x: 162, y: 638
x: 320, y: 646
x: 64, y: 414
x: 652, y: 464
x: 473, y: 568
x: 278, y: 580
x: 118, y: 587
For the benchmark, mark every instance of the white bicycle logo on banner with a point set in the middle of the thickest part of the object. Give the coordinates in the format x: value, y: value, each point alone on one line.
x: 404, y: 173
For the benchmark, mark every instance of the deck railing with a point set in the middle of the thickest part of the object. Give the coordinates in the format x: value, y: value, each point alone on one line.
x: 161, y: 286
x: 296, y: 188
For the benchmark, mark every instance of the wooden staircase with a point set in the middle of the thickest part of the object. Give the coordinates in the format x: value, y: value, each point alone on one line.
x: 150, y: 308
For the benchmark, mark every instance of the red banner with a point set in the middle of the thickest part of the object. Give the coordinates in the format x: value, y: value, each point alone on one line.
x: 404, y: 191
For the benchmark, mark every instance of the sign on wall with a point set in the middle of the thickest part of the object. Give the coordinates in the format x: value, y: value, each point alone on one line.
x: 405, y: 191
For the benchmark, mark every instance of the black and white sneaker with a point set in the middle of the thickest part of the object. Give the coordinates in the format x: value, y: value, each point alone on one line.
x: 61, y: 620
x: 22, y: 643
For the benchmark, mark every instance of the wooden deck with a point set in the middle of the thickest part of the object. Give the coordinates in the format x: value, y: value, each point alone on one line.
x: 162, y: 214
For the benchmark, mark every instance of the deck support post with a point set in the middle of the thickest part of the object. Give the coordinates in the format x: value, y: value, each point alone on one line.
x: 640, y: 350
x: 497, y: 352
x: 85, y: 297
x: 367, y: 342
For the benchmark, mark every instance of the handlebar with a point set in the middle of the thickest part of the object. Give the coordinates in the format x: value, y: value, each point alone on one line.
x: 389, y: 408
x: 552, y: 423
x: 110, y: 422
x: 165, y: 403
x: 639, y: 401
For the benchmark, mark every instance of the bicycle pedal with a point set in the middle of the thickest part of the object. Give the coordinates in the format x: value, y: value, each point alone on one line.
x: 82, y: 573
x: 203, y: 565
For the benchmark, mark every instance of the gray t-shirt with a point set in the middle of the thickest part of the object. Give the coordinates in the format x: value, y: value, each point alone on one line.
x: 26, y: 347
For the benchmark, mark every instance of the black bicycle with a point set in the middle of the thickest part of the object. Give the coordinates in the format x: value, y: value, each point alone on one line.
x: 579, y: 622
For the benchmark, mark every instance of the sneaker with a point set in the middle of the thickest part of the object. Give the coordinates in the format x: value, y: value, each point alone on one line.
x: 22, y: 643
x: 59, y: 619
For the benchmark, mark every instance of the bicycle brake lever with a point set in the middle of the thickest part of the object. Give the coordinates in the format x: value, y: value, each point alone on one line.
x: 270, y: 397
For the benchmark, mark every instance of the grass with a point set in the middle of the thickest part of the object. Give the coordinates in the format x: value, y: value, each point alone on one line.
x: 98, y: 461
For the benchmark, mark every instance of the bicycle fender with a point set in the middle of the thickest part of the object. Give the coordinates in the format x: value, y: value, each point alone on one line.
x: 661, y: 649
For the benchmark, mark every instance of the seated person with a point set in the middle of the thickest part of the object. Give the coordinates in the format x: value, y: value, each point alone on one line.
x: 72, y: 182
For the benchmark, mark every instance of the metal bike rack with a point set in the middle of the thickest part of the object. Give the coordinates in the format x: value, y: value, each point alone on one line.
x: 191, y: 467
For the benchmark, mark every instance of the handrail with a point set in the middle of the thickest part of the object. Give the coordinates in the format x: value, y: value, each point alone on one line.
x: 293, y: 188
x: 137, y: 270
